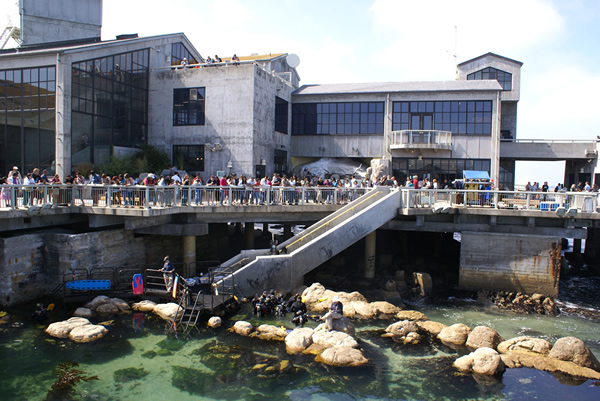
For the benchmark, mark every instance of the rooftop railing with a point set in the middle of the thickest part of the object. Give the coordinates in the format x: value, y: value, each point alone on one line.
x: 421, y: 139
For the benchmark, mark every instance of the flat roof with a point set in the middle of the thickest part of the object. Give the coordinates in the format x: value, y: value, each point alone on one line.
x: 379, y: 87
x: 257, y: 57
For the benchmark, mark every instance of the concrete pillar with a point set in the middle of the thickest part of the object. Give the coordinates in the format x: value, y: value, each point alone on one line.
x: 576, y: 245
x: 510, y: 262
x: 238, y: 228
x: 265, y: 230
x: 370, y: 243
x: 189, y: 254
x: 287, y: 231
x: 249, y: 235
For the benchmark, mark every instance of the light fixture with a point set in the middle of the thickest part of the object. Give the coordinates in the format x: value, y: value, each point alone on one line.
x: 561, y: 211
x: 229, y: 164
x: 420, y: 157
x: 263, y: 162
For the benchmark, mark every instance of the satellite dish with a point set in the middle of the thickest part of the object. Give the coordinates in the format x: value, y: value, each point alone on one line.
x: 293, y: 60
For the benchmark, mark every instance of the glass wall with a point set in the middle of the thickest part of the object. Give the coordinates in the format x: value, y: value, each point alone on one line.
x: 458, y: 117
x: 281, y: 115
x: 337, y: 118
x: 109, y: 106
x: 189, y: 157
x: 188, y: 106
x: 504, y: 78
x: 27, y: 118
x: 440, y: 169
x: 178, y: 52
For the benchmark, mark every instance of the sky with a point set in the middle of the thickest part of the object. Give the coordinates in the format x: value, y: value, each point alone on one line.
x: 405, y: 40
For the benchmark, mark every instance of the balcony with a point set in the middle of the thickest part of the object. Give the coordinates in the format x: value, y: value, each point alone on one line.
x: 421, y: 139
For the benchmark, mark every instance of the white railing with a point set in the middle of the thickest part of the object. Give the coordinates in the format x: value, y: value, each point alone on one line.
x: 140, y: 196
x: 585, y: 202
x: 421, y: 139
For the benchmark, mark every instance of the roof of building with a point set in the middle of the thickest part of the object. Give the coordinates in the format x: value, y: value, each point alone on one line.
x: 379, y: 87
x: 76, y: 46
x: 256, y: 57
x: 490, y: 54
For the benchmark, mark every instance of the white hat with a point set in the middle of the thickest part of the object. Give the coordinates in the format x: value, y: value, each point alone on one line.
x: 15, y: 168
x: 336, y: 299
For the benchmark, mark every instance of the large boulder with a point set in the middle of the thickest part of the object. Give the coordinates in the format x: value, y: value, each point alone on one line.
x: 530, y: 359
x: 359, y: 310
x: 424, y: 282
x: 99, y: 300
x: 271, y: 333
x: 62, y: 329
x: 574, y: 350
x: 215, y: 322
x: 481, y: 337
x: 298, y: 340
x: 405, y: 332
x: 431, y: 327
x: 144, y: 306
x: 385, y: 310
x: 242, y: 328
x: 329, y: 339
x: 107, y: 309
x: 121, y: 304
x: 525, y: 345
x: 83, y: 312
x: 455, y: 335
x: 483, y: 361
x: 342, y: 356
x: 87, y: 333
x: 167, y: 311
x: 410, y: 315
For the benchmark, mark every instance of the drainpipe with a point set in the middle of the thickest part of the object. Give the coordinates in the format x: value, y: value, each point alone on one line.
x: 495, y: 162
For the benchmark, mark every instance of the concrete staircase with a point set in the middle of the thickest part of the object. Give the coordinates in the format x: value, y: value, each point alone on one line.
x: 258, y: 270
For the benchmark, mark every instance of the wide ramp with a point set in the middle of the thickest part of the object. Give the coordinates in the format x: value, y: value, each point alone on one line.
x: 255, y: 271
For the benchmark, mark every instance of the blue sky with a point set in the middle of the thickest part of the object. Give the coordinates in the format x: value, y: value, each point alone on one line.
x: 402, y: 40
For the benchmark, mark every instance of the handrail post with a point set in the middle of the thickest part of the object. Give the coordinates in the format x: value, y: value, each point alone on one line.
x: 108, y: 196
x: 527, y: 202
x: 268, y: 200
x: 147, y: 197
x: 496, y: 199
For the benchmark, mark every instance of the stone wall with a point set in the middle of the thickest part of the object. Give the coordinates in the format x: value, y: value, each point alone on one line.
x: 510, y: 262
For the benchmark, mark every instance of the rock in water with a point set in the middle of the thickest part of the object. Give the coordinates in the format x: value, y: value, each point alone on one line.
x: 574, y: 350
x: 342, y: 356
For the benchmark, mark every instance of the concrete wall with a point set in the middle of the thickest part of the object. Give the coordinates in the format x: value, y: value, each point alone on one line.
x: 239, y: 115
x: 44, y: 21
x: 33, y: 265
x: 510, y: 262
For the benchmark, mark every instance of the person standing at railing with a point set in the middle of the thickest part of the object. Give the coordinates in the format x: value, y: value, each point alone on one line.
x: 28, y: 182
x: 168, y: 271
x: 198, y: 192
x: 129, y: 183
x: 223, y: 183
x: 212, y: 192
x: 15, y: 169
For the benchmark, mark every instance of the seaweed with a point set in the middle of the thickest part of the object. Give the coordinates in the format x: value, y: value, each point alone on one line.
x: 129, y: 374
x: 67, y: 376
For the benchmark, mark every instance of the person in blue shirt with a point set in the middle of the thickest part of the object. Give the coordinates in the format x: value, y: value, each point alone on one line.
x: 168, y: 271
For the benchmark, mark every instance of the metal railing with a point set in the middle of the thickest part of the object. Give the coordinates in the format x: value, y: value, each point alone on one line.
x: 585, y: 202
x: 421, y: 139
x: 118, y: 196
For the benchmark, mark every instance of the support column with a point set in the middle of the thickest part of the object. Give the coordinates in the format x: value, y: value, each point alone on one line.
x: 249, y: 235
x: 189, y: 254
x: 287, y: 231
x: 265, y: 230
x: 370, y: 243
x: 576, y: 245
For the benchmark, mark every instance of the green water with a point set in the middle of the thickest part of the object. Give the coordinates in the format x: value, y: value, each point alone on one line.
x: 144, y: 363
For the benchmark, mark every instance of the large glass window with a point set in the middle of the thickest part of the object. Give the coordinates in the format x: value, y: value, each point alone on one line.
x: 337, y: 118
x: 504, y: 78
x: 27, y: 118
x: 188, y: 106
x: 440, y: 169
x: 178, y: 52
x: 189, y: 157
x: 458, y: 117
x: 281, y: 115
x: 109, y: 103
x: 280, y: 161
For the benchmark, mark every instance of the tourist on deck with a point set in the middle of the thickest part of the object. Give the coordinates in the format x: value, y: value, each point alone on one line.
x: 336, y: 311
x: 185, y: 63
x: 168, y: 270
x: 10, y: 174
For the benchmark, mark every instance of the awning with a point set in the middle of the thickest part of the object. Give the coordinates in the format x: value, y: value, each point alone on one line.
x: 475, y: 175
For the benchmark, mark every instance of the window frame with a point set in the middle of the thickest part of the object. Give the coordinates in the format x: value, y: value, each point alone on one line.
x: 186, y: 109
